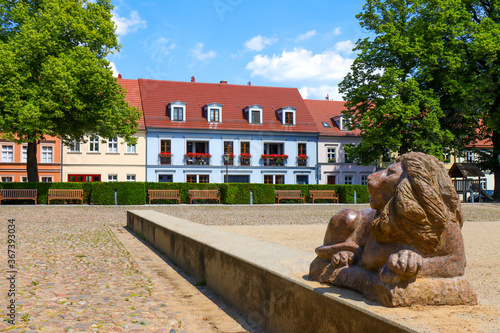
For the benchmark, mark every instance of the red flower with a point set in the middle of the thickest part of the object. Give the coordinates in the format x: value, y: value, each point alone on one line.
x: 164, y: 154
x: 302, y: 156
x: 245, y: 155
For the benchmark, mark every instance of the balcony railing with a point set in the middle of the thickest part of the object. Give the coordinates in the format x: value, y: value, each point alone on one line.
x: 197, y: 158
x: 165, y: 158
x: 302, y: 160
x: 245, y: 159
x: 274, y: 159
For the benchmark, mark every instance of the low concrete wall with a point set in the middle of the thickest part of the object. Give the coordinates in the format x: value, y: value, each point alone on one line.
x: 266, y: 281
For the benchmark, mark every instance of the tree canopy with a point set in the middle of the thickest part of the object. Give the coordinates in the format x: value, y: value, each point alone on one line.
x: 427, y: 79
x: 54, y: 78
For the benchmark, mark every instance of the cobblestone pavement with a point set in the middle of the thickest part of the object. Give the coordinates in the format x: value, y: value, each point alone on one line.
x: 78, y: 268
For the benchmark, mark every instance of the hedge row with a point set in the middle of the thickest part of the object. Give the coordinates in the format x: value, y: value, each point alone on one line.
x: 135, y: 193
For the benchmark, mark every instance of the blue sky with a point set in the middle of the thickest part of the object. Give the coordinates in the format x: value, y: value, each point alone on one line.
x: 302, y: 44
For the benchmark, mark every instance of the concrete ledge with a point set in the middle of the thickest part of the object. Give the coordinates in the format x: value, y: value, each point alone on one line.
x: 266, y: 281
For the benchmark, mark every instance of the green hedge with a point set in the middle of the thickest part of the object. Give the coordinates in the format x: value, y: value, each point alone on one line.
x: 135, y: 193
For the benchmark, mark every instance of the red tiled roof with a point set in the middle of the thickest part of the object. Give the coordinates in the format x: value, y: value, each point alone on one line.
x: 156, y: 95
x: 324, y: 111
x: 133, y: 96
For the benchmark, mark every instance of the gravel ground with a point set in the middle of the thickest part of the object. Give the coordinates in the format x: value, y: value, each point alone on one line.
x: 76, y: 272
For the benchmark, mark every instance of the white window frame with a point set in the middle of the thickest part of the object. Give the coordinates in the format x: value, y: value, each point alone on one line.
x: 49, y: 178
x: 74, y: 147
x: 364, y: 179
x: 24, y: 154
x: 283, y: 111
x: 131, y: 149
x: 3, y: 179
x: 47, y: 154
x: 131, y: 178
x: 112, y: 145
x: 8, y: 153
x: 94, y: 146
x: 171, y: 109
x: 208, y: 112
x: 351, y: 182
x: 24, y: 179
x: 254, y: 108
x: 112, y: 178
x: 345, y: 123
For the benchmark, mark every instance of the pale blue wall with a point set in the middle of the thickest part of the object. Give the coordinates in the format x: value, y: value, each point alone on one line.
x: 216, y: 170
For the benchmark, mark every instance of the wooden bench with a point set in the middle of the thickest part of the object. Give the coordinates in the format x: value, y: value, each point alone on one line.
x: 204, y: 194
x: 17, y: 194
x: 164, y: 194
x: 289, y: 194
x: 324, y: 194
x: 65, y: 194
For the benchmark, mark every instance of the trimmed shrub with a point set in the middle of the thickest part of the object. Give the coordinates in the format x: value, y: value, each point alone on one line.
x: 128, y: 193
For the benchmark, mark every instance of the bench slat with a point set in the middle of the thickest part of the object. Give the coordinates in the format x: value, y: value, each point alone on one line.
x: 164, y: 194
x: 289, y: 194
x: 204, y: 194
x: 323, y: 194
x: 18, y: 194
x: 65, y: 194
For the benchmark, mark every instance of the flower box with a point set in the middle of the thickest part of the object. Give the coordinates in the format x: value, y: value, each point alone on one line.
x: 274, y: 156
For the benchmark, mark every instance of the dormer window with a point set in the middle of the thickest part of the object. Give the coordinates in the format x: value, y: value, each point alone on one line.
x: 177, y: 111
x: 343, y: 123
x: 254, y: 114
x: 213, y: 112
x: 287, y: 115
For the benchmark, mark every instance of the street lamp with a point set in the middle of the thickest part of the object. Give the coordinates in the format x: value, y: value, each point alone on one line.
x: 226, y: 162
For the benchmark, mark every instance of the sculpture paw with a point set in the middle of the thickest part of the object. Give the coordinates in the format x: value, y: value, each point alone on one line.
x: 343, y: 258
x: 405, y: 263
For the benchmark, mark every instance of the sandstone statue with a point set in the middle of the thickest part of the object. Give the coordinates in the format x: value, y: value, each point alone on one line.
x: 407, y: 248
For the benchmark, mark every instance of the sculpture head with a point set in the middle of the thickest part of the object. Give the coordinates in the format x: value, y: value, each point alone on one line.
x: 417, y: 202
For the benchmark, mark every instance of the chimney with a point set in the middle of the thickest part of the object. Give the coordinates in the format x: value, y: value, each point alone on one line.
x: 192, y: 79
x: 119, y: 76
x: 327, y: 97
x: 249, y: 83
x: 223, y: 82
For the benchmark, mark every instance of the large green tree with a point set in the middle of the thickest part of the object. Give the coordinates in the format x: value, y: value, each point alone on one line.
x: 427, y: 79
x: 54, y: 78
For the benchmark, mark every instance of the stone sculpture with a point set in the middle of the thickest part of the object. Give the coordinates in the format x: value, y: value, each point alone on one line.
x: 407, y: 248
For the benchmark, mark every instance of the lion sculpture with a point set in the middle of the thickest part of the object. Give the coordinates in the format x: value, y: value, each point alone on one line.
x: 407, y: 248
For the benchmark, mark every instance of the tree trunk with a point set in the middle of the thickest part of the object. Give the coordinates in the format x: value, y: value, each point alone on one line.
x: 496, y: 168
x: 32, y: 163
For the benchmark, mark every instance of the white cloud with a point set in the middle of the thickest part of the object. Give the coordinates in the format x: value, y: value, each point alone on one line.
x: 198, y: 54
x: 305, y: 36
x: 159, y: 48
x: 345, y: 46
x: 258, y: 43
x: 125, y: 25
x: 337, y: 31
x: 321, y: 92
x: 113, y: 68
x: 300, y: 64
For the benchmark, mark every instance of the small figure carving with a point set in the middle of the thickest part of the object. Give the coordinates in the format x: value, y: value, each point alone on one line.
x: 408, y: 247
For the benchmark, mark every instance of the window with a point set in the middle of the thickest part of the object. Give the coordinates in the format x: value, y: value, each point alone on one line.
x: 112, y: 178
x: 302, y: 154
x: 347, y: 158
x: 446, y: 157
x: 178, y: 114
x: 364, y: 180
x: 345, y: 123
x: 274, y: 179
x: 213, y: 112
x: 74, y: 147
x: 131, y: 178
x: 197, y: 178
x: 84, y: 178
x: 245, y: 153
x: 46, y: 154
x: 7, y: 154
x: 287, y: 115
x: 254, y: 114
x: 165, y: 152
x: 331, y: 155
x: 24, y: 157
x: 325, y: 124
x: 348, y: 180
x: 197, y: 153
x: 94, y: 144
x: 214, y: 115
x: 177, y: 111
x: 228, y: 149
x: 131, y: 149
x: 113, y: 145
x: 24, y: 179
x: 331, y: 180
x: 46, y: 179
x: 165, y: 178
x: 274, y: 154
x: 6, y: 179
x: 302, y: 180
x: 470, y: 156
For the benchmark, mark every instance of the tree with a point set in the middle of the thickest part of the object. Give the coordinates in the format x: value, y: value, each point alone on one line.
x: 428, y: 78
x: 54, y: 78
